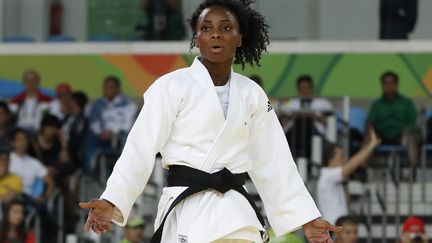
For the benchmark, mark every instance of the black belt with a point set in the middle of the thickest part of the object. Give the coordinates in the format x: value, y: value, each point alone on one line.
x: 198, y: 181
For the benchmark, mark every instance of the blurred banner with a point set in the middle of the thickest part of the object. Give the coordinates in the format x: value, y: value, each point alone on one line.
x: 335, y: 74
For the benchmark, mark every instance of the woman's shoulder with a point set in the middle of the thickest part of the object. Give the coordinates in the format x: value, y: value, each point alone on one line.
x: 172, y: 84
x: 247, y: 83
x: 175, y: 75
x: 175, y: 78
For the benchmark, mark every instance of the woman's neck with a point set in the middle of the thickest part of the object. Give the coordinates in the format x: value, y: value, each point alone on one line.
x: 219, y: 72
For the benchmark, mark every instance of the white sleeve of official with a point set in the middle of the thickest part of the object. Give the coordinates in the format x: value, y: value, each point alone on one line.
x: 287, y: 202
x: 148, y: 135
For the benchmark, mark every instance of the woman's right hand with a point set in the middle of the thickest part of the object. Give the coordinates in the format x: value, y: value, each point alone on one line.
x: 99, y: 218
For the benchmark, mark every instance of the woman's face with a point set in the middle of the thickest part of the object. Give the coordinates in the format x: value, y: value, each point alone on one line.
x: 16, y: 214
x: 218, y: 34
x: 50, y: 132
x: 20, y: 142
x: 31, y: 81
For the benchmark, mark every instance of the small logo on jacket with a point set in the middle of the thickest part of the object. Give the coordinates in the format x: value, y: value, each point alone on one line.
x: 269, y: 107
x: 182, y: 239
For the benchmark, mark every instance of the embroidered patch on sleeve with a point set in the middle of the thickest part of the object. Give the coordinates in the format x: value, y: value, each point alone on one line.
x: 269, y: 107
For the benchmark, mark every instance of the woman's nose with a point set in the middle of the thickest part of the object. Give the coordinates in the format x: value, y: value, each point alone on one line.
x: 216, y: 35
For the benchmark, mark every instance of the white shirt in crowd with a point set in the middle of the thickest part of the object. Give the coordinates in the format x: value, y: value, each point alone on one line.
x: 30, y: 113
x: 331, y: 195
x: 28, y: 168
x: 116, y: 116
x: 318, y: 105
x: 56, y: 109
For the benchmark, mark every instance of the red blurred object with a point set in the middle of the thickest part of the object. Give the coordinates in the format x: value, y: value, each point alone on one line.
x: 414, y: 225
x: 63, y: 88
x: 56, y: 18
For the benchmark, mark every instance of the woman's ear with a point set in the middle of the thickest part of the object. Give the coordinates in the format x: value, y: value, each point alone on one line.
x: 240, y: 41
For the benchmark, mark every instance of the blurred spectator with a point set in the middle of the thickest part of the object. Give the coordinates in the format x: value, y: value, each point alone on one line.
x: 397, y: 18
x: 165, y: 20
x: 331, y: 195
x: 303, y: 117
x: 12, y: 228
x: 10, y: 184
x: 28, y: 168
x: 307, y: 105
x: 75, y: 127
x: 350, y: 232
x: 50, y: 147
x: 414, y: 231
x: 31, y: 104
x: 6, y: 125
x: 394, y: 117
x: 60, y: 106
x: 133, y: 231
x: 111, y: 118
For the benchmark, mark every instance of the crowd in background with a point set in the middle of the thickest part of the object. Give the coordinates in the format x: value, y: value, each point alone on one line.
x: 45, y: 140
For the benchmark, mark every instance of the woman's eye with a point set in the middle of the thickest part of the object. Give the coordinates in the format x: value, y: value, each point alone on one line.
x: 227, y: 28
x: 205, y: 28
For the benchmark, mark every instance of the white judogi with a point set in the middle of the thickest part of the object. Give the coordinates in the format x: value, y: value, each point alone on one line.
x: 183, y: 119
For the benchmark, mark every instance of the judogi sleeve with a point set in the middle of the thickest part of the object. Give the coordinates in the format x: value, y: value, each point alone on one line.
x: 148, y: 135
x: 286, y: 200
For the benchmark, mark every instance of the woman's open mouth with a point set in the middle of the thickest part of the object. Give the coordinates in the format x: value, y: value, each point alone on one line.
x: 216, y: 49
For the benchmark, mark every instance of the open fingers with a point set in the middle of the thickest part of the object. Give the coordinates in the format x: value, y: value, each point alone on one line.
x: 97, y: 227
x: 97, y: 223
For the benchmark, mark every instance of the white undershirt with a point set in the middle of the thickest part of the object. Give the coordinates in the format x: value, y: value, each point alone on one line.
x: 223, y: 94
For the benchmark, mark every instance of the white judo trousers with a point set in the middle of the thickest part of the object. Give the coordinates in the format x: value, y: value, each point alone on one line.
x: 183, y: 120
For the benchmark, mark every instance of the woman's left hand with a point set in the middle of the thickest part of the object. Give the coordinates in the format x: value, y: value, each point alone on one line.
x: 317, y: 231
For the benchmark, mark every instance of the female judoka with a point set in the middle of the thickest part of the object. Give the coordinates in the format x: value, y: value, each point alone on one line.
x: 212, y: 126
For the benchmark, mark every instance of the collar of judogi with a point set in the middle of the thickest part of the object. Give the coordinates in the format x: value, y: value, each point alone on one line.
x: 201, y: 72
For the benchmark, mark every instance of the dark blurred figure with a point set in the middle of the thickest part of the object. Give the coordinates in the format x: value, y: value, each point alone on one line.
x: 12, y: 228
x: 50, y: 147
x: 111, y: 118
x: 6, y: 124
x: 304, y: 116
x: 165, y: 20
x: 394, y: 117
x: 75, y: 128
x: 397, y: 18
